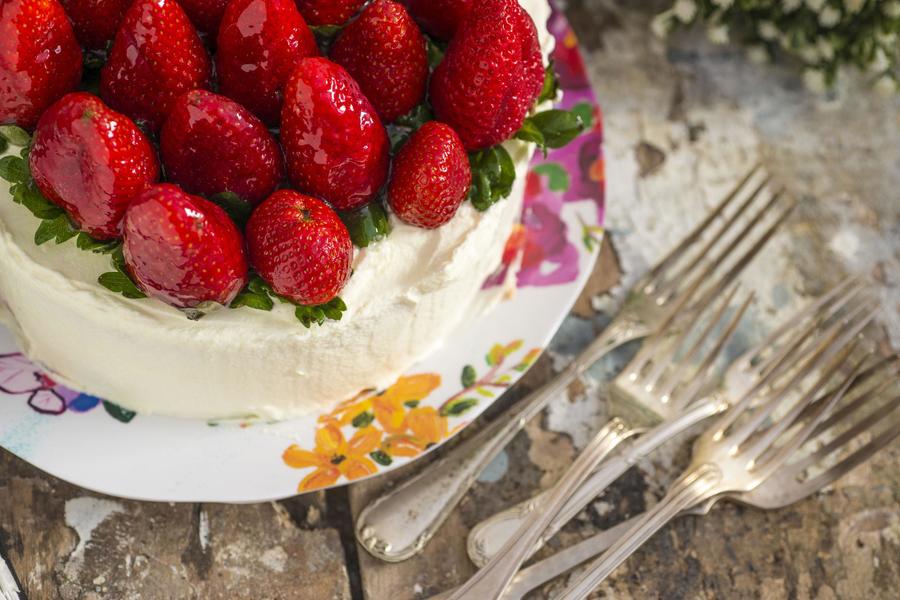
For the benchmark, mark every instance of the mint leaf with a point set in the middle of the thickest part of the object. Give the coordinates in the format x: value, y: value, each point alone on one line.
x: 556, y: 127
x: 367, y: 224
x: 14, y: 169
x: 15, y: 135
x: 551, y: 85
x: 120, y: 283
x: 493, y: 175
x: 60, y: 229
x: 237, y: 208
x: 333, y: 311
x: 31, y: 198
x: 89, y: 244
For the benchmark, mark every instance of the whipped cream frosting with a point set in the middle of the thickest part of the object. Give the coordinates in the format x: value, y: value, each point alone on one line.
x: 407, y: 294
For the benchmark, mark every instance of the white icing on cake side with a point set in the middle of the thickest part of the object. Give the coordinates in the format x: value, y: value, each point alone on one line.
x: 407, y: 294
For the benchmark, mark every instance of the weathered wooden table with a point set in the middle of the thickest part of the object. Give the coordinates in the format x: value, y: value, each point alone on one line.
x: 684, y: 118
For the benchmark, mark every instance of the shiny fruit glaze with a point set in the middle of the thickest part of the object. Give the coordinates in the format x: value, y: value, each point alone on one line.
x: 206, y: 15
x: 95, y: 21
x: 440, y: 18
x: 91, y: 161
x: 329, y: 12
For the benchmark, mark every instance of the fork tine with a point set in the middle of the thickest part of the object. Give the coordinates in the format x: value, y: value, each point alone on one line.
x: 697, y: 232
x: 687, y: 394
x: 773, y: 456
x: 664, y: 361
x: 722, y: 231
x: 836, y: 340
x: 803, y: 410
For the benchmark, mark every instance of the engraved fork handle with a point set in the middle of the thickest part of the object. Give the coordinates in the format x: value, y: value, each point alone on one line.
x: 492, y: 580
x: 491, y: 534
x: 693, y: 487
x: 397, y: 525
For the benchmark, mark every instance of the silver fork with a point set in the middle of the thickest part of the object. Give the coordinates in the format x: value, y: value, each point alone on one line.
x: 400, y: 523
x: 745, y: 446
x: 652, y: 387
x: 789, y: 484
x: 799, y: 357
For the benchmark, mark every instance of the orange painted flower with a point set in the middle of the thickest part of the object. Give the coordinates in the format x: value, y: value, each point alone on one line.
x: 427, y: 425
x: 335, y: 456
x: 388, y: 408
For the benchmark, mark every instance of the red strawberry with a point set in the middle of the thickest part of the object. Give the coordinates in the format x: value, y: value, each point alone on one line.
x: 95, y: 21
x: 336, y: 147
x: 91, y: 161
x: 385, y: 52
x: 205, y: 14
x: 156, y: 57
x: 183, y: 249
x: 431, y: 177
x: 440, y: 18
x: 40, y: 60
x: 329, y: 12
x: 300, y: 247
x: 491, y: 74
x: 260, y: 43
x: 211, y: 145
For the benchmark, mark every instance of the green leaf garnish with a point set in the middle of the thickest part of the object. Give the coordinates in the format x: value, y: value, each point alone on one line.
x: 259, y: 295
x: 237, y: 208
x: 120, y: 283
x: 368, y: 224
x: 333, y: 311
x: 550, y: 90
x: 60, y: 229
x: 493, y: 175
x: 402, y: 129
x: 552, y: 128
x: 14, y: 169
x: 435, y: 51
x: 15, y: 135
x: 87, y: 243
x: 4, y: 145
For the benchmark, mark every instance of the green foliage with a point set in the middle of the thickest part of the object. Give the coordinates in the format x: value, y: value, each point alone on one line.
x: 493, y: 175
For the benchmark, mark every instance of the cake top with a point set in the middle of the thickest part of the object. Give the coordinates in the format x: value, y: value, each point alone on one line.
x: 256, y: 184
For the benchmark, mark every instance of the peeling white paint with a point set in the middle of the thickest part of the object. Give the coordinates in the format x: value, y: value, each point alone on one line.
x: 274, y: 559
x: 84, y: 515
x: 203, y: 530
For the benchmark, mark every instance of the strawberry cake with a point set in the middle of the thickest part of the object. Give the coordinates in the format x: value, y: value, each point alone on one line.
x: 226, y: 208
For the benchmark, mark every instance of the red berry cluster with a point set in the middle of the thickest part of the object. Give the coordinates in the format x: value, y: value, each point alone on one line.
x: 148, y: 159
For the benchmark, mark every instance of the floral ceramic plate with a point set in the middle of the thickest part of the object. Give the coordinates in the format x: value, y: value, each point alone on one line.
x: 97, y: 445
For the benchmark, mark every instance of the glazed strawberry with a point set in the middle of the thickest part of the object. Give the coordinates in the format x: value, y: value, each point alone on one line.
x: 40, y: 60
x: 183, y: 249
x: 385, y: 53
x: 300, y: 247
x: 431, y: 177
x: 205, y: 14
x: 95, y: 21
x: 335, y: 145
x: 157, y: 56
x: 491, y: 74
x: 91, y: 161
x: 329, y: 12
x: 440, y: 18
x: 211, y: 144
x: 260, y: 43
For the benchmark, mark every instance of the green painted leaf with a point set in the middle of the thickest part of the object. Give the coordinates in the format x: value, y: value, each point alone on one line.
x: 485, y: 392
x: 237, y: 208
x: 458, y: 407
x: 469, y: 376
x: 120, y: 283
x: 15, y: 135
x: 368, y: 224
x: 411, y: 403
x: 118, y: 413
x: 363, y: 419
x: 556, y: 174
x: 14, y: 169
x: 382, y: 458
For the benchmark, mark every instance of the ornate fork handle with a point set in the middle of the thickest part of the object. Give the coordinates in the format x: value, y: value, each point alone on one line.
x: 692, y: 488
x: 398, y: 525
x: 492, y: 580
x: 489, y: 535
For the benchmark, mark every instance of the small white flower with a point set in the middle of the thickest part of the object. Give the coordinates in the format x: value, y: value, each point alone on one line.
x: 685, y: 10
x: 886, y: 85
x: 829, y: 17
x: 662, y: 24
x: 891, y: 9
x: 790, y: 6
x: 767, y: 30
x: 809, y: 54
x: 814, y: 79
x: 881, y: 62
x: 815, y: 5
x: 826, y: 50
x: 718, y: 34
x: 758, y: 55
